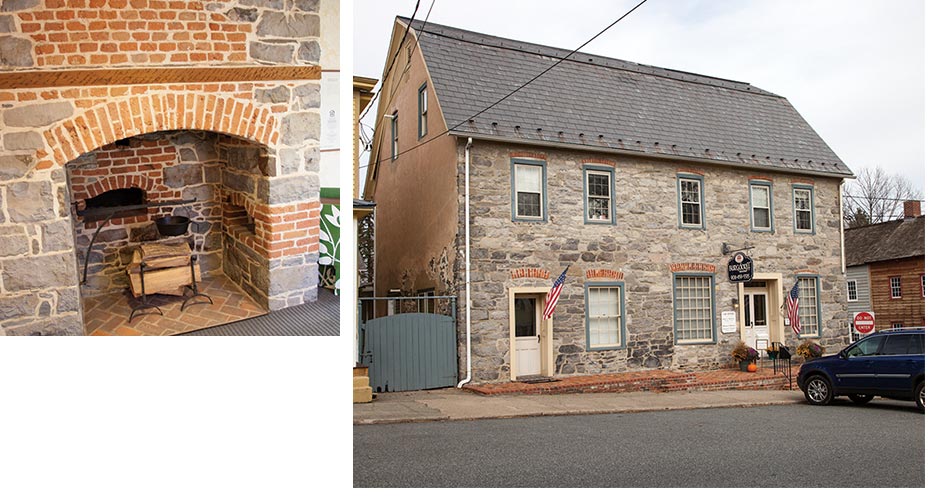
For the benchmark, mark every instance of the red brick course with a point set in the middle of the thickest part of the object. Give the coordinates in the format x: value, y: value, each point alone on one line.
x: 646, y: 381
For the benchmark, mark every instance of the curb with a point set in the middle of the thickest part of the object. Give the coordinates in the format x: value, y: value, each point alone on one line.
x: 575, y: 413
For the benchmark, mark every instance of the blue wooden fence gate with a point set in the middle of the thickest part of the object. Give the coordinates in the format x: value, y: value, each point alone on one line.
x: 410, y: 351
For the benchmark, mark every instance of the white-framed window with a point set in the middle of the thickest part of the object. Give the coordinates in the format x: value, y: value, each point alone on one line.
x: 922, y: 281
x: 896, y: 290
x: 422, y: 111
x: 395, y: 135
x: 809, y: 322
x: 690, y: 190
x: 600, y: 196
x: 694, y: 316
x: 605, y: 316
x: 802, y: 210
x: 760, y: 207
x: 425, y: 305
x: 529, y: 191
x: 852, y: 291
x: 897, y: 326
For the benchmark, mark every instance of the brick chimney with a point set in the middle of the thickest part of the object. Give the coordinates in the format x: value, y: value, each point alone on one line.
x: 911, y: 208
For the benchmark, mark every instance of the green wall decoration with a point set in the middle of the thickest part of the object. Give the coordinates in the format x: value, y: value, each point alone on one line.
x: 329, y: 261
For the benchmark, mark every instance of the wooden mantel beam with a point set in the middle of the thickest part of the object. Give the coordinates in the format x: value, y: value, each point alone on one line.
x: 154, y: 76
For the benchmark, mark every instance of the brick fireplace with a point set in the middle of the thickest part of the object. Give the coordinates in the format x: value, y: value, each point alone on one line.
x: 126, y: 111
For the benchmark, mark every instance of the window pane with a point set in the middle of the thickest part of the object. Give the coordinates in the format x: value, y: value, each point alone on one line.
x: 604, y: 316
x: 808, y: 307
x: 802, y: 199
x: 869, y: 346
x: 896, y: 345
x: 689, y: 190
x: 529, y: 204
x: 760, y: 310
x: 525, y: 317
x: 693, y: 299
x: 761, y: 218
x: 598, y: 184
x: 691, y: 214
x: 598, y: 209
x: 804, y: 220
x: 760, y: 196
x: 527, y: 178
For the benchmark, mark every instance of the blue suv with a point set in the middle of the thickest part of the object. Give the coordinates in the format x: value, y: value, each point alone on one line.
x: 886, y: 363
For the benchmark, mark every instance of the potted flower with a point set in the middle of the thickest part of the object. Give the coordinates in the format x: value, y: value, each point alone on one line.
x: 744, y: 355
x: 809, y: 350
x: 773, y: 350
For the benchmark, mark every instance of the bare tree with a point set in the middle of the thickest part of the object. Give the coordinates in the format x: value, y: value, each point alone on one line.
x: 876, y: 196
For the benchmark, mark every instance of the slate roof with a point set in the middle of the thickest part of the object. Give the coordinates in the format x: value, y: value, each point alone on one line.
x: 608, y: 103
x: 885, y: 241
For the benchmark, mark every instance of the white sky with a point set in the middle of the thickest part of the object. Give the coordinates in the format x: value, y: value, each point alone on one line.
x: 854, y: 69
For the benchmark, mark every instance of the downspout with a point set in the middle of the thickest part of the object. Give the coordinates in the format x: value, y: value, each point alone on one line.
x: 841, y: 224
x: 468, y: 280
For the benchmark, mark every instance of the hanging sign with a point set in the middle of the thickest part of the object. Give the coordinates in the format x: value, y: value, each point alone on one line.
x: 740, y: 268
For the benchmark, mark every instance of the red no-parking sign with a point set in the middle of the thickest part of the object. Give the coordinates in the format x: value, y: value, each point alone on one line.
x: 864, y: 322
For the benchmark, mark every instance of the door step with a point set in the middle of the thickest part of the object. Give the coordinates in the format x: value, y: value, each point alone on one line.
x: 532, y: 379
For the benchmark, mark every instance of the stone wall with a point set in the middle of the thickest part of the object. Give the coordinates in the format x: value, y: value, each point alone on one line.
x: 642, y: 246
x: 42, y: 129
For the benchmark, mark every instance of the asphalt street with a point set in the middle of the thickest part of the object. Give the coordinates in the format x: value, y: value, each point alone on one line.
x: 841, y: 445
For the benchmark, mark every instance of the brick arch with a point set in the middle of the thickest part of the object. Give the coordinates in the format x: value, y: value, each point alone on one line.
x: 108, y: 183
x: 149, y: 113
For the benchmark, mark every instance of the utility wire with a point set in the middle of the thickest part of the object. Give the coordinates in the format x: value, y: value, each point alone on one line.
x: 417, y: 5
x: 417, y: 38
x: 516, y: 90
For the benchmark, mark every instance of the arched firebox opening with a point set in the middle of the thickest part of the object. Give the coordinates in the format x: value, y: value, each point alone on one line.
x: 118, y: 194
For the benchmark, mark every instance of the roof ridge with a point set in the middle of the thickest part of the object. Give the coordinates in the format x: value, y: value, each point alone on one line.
x: 525, y: 47
x: 872, y: 225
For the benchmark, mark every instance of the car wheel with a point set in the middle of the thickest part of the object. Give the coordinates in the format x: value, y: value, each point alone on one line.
x: 818, y: 390
x: 920, y: 395
x: 860, y: 399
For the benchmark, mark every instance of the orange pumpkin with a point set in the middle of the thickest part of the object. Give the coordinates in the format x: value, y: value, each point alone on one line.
x: 752, y: 367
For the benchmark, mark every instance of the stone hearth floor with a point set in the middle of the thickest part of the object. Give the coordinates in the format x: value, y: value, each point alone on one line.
x: 108, y: 315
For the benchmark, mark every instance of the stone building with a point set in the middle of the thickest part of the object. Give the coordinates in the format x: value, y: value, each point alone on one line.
x: 637, y: 178
x: 207, y: 109
x: 886, y: 270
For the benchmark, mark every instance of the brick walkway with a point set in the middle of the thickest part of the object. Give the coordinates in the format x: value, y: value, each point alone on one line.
x: 659, y: 380
x: 107, y: 315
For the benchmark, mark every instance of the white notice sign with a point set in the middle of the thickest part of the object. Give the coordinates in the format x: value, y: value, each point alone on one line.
x: 729, y: 322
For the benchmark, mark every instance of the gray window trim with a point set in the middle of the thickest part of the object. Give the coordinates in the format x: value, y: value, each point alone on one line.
x: 621, y: 295
x: 769, y: 186
x: 679, y: 201
x: 812, y: 218
x: 711, y: 276
x: 543, y: 186
x: 611, y: 180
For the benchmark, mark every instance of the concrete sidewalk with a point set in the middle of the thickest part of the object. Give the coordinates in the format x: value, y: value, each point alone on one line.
x: 450, y: 404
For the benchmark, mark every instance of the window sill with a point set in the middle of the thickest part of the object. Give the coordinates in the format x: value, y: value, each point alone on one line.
x: 707, y: 342
x: 602, y: 349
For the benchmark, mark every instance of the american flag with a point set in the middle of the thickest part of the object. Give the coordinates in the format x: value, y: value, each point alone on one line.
x: 792, y: 307
x: 551, y: 304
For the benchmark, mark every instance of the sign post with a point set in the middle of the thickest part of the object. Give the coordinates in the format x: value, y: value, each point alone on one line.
x: 864, y: 322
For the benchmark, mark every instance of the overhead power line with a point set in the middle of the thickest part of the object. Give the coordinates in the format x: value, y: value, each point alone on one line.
x: 516, y: 90
x: 417, y: 38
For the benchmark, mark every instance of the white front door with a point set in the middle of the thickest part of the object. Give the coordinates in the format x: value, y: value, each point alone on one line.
x: 527, y: 335
x: 756, y: 317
